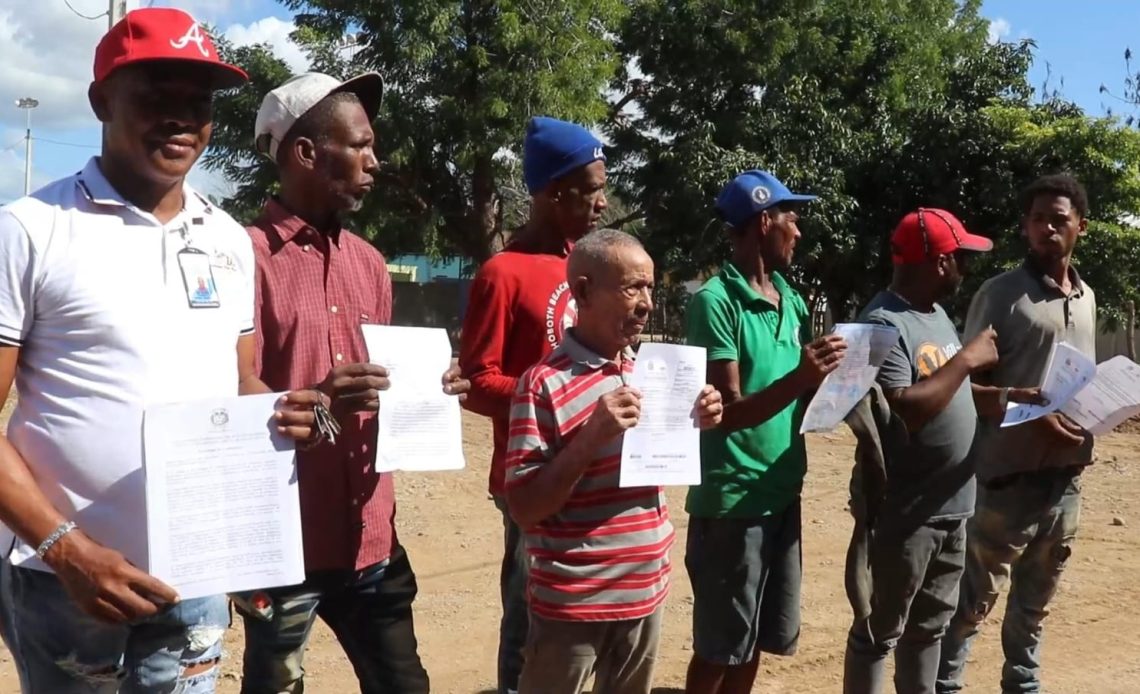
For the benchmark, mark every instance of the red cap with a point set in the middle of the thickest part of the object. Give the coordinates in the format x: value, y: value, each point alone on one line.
x: 928, y: 233
x: 162, y: 33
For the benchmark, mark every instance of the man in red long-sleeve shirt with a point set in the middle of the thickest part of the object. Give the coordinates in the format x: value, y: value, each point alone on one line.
x: 519, y: 307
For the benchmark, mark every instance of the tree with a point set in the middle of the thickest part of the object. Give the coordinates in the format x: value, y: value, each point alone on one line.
x: 878, y: 107
x: 463, y: 77
x: 825, y: 94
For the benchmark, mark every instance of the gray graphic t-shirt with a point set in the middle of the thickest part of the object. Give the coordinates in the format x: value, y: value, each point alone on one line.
x: 930, y: 477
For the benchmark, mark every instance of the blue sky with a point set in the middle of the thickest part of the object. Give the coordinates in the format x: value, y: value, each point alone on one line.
x: 46, y: 50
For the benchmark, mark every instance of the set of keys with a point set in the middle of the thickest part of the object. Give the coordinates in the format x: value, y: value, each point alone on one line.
x: 327, y: 426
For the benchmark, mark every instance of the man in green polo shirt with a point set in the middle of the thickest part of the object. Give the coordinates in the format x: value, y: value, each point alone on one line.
x: 743, y: 553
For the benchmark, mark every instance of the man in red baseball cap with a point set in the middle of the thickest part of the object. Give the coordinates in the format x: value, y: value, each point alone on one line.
x: 101, y: 314
x: 918, y: 542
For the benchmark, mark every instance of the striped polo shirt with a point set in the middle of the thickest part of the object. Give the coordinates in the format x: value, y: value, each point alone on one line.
x: 605, y: 555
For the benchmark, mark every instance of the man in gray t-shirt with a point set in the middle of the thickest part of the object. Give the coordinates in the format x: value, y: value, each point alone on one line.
x: 918, y: 540
x: 1029, y: 475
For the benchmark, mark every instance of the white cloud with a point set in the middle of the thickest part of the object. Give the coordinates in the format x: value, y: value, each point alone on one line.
x: 47, y: 53
x: 999, y: 30
x: 274, y: 32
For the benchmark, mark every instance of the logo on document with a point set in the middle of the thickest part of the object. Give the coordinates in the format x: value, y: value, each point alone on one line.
x: 219, y: 417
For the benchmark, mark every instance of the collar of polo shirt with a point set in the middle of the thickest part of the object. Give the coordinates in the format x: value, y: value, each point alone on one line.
x: 586, y: 356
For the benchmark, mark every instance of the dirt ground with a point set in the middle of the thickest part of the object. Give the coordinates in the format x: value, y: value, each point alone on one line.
x: 453, y: 535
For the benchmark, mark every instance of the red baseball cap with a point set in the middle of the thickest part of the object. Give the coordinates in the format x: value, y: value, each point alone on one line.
x: 162, y: 33
x: 928, y: 233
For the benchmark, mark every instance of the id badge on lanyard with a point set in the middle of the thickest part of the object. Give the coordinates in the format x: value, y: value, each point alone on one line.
x: 198, y: 277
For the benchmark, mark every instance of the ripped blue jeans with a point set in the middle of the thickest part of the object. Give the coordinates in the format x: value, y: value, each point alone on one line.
x: 59, y: 649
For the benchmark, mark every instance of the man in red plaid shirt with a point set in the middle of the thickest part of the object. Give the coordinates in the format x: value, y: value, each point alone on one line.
x: 317, y: 283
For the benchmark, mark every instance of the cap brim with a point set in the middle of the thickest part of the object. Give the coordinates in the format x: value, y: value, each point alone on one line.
x: 369, y: 88
x: 978, y: 244
x: 222, y: 75
x: 791, y: 198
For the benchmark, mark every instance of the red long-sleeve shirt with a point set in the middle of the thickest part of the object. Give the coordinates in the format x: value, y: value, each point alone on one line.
x: 520, y: 304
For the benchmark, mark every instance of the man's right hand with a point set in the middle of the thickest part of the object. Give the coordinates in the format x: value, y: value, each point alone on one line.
x: 354, y: 388
x: 1061, y: 430
x: 614, y: 412
x: 103, y: 583
x: 820, y: 358
x: 981, y: 353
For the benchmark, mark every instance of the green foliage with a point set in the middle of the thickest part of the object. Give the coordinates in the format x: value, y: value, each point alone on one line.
x: 878, y: 107
x: 463, y: 77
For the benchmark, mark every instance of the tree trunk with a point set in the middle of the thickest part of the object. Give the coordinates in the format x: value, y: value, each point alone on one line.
x: 1130, y: 329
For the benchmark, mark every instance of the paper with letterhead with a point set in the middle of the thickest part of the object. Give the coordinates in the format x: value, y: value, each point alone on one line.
x: 223, y: 512
x: 1068, y: 372
x: 665, y: 446
x: 843, y: 388
x: 419, y: 426
x: 1111, y: 398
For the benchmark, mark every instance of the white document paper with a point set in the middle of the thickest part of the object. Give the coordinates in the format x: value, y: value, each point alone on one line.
x: 665, y: 446
x: 223, y: 514
x: 420, y: 427
x: 1068, y: 372
x: 867, y: 348
x: 1110, y: 399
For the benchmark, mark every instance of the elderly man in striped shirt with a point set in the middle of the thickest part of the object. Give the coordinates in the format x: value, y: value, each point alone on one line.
x: 599, y: 554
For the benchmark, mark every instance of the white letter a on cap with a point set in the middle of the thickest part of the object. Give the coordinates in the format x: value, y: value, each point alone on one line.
x: 193, y: 35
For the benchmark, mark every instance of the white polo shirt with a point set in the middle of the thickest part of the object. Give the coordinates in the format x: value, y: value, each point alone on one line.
x: 92, y: 292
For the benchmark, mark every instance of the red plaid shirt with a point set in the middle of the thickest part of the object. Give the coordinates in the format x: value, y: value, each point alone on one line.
x: 313, y: 293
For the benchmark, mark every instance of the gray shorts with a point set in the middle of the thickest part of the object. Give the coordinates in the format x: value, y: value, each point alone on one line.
x: 746, y: 576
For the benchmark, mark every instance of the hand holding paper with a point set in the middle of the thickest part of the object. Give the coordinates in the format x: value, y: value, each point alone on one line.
x: 867, y: 347
x: 1068, y: 372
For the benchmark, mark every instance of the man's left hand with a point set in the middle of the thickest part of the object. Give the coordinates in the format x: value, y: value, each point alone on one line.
x: 455, y: 384
x: 1027, y: 396
x: 709, y: 408
x: 294, y: 416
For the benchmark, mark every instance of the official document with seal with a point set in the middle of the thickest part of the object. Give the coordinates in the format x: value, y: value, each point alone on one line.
x: 223, y: 513
x: 1111, y: 398
x: 1069, y: 371
x: 419, y: 426
x: 867, y: 348
x: 665, y: 446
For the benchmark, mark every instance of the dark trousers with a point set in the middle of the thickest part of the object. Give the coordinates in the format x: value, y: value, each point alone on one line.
x: 914, y: 591
x: 512, y: 591
x: 369, y: 611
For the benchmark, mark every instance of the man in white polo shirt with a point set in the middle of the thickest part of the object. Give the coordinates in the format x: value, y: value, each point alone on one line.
x: 119, y: 287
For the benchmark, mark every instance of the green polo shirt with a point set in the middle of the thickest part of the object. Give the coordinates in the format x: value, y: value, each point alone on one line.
x: 758, y: 471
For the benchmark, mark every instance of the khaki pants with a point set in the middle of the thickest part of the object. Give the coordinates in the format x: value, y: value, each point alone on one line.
x: 560, y: 656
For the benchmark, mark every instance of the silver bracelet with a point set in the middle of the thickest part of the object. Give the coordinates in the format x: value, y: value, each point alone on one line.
x: 63, y: 529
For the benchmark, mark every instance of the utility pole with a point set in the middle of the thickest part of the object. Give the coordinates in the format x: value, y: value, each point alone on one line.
x: 27, y: 103
x: 115, y: 12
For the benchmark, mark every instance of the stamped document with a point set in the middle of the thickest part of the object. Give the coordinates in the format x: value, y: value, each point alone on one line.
x: 1111, y: 397
x: 1069, y: 371
x: 867, y: 347
x: 665, y: 446
x: 223, y: 513
x: 420, y: 427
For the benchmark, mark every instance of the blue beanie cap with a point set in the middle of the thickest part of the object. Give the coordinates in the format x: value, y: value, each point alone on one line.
x: 554, y: 148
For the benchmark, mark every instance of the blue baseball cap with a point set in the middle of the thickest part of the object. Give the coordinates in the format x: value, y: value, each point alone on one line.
x: 554, y: 148
x: 751, y: 193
